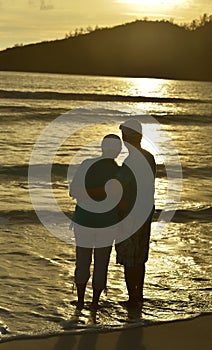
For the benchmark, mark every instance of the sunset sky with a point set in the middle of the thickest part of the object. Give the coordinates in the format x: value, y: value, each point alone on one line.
x: 27, y: 21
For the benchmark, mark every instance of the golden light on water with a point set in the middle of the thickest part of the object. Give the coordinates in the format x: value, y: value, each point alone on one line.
x: 148, y: 87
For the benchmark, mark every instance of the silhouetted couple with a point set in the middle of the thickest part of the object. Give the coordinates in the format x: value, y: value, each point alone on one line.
x: 99, y: 223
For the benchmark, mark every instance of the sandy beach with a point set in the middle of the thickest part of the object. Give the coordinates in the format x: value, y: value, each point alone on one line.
x: 193, y: 334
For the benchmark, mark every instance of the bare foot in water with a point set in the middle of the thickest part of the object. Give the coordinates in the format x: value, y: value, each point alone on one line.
x: 94, y: 307
x: 131, y: 305
x: 79, y: 306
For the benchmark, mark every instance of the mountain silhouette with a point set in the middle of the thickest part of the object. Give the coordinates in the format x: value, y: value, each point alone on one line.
x: 138, y: 49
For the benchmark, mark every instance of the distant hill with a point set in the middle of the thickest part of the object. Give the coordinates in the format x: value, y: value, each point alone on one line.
x: 138, y: 49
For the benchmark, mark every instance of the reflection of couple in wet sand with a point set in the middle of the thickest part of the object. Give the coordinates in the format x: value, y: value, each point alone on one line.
x: 132, y: 249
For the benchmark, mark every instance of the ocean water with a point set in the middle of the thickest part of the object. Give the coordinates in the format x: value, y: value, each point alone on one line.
x: 36, y: 267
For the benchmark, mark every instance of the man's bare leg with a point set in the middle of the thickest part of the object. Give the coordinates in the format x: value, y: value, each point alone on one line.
x: 140, y: 281
x: 131, y: 280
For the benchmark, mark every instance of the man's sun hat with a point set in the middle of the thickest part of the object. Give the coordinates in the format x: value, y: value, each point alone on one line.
x: 131, y: 125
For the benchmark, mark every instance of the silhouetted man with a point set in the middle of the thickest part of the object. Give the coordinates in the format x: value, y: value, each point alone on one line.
x: 132, y: 252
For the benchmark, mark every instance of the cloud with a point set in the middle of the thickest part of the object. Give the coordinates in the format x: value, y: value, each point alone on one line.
x: 42, y: 4
x: 46, y: 5
x: 31, y: 2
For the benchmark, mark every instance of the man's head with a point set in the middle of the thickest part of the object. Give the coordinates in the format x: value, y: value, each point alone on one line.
x: 111, y: 146
x: 131, y: 131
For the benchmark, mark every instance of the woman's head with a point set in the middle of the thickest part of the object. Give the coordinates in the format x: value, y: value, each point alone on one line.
x: 111, y: 146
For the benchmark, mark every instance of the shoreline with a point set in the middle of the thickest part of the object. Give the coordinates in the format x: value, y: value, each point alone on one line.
x: 189, y: 334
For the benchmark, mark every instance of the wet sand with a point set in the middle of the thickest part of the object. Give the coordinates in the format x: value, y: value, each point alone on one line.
x: 193, y: 334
